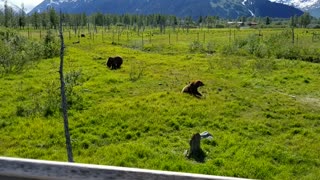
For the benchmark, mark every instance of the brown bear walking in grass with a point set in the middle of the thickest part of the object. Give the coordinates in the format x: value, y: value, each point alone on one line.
x: 192, y: 88
x: 114, y: 62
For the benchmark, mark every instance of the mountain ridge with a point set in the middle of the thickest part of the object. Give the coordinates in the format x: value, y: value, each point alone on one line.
x: 311, y: 6
x: 181, y: 8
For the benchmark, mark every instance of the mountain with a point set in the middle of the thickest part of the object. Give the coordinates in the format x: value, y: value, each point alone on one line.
x: 312, y: 6
x: 181, y: 8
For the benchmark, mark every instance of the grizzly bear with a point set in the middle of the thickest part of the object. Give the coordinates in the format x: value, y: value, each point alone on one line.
x: 114, y: 62
x: 192, y: 88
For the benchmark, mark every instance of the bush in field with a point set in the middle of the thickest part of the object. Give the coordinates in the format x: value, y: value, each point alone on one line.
x: 51, y: 46
x: 278, y: 45
x: 48, y: 103
x: 210, y: 47
x: 196, y: 46
x: 52, y: 95
x: 72, y: 80
x: 16, y: 52
x: 136, y: 70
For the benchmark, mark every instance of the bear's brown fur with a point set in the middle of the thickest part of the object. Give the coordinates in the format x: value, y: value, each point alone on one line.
x: 192, y: 88
x: 114, y: 62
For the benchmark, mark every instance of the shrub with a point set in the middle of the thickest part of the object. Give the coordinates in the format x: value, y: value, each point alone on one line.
x: 196, y: 46
x: 210, y: 47
x: 13, y: 55
x: 136, y: 70
x: 73, y: 79
x: 51, y: 46
x: 17, y: 53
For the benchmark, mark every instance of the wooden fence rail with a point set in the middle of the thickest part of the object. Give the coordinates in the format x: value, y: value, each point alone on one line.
x: 26, y: 169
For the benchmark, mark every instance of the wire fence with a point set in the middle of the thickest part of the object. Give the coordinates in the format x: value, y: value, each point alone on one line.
x: 173, y: 36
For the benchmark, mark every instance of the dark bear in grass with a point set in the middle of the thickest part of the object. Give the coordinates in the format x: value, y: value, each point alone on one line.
x: 114, y: 62
x: 192, y: 88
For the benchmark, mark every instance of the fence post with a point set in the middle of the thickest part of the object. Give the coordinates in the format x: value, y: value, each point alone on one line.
x: 230, y: 36
x: 177, y: 33
x: 64, y: 105
x: 292, y: 35
x: 118, y: 37
x: 127, y: 35
x: 113, y: 36
x: 142, y: 39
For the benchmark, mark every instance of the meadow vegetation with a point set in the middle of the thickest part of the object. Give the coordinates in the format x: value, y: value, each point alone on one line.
x: 261, y: 100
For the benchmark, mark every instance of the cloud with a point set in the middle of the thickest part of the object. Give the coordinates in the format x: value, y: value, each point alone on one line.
x: 28, y: 4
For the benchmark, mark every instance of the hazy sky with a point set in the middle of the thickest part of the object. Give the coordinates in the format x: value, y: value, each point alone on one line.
x: 28, y: 4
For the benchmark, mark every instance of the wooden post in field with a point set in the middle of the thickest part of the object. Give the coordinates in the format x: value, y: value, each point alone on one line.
x: 118, y: 37
x: 204, y: 37
x: 127, y: 35
x: 102, y: 36
x: 230, y: 36
x: 142, y: 39
x: 197, y: 36
x: 169, y: 38
x: 292, y: 35
x: 177, y: 33
x: 63, y: 97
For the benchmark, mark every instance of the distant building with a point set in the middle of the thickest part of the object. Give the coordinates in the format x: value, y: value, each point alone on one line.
x: 237, y: 24
x: 252, y: 24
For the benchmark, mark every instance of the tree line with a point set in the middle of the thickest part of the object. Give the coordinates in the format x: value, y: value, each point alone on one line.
x: 50, y: 20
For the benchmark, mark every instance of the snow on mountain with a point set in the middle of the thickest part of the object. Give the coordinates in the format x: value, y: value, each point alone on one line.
x: 181, y: 8
x: 301, y: 4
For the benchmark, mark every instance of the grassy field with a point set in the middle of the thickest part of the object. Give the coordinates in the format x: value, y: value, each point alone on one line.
x: 263, y: 113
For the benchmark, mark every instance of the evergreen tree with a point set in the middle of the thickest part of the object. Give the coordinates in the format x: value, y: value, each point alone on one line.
x: 35, y: 20
x: 305, y: 19
x: 44, y: 20
x: 84, y: 19
x: 22, y: 17
x: 1, y: 17
x: 268, y: 20
x: 98, y: 19
x: 53, y: 18
x: 8, y: 15
x: 107, y: 21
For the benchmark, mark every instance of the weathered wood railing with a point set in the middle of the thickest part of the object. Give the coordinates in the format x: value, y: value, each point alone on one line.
x: 26, y: 169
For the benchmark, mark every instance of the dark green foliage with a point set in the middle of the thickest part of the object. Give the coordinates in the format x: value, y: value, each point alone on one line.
x: 196, y: 46
x: 51, y: 45
x: 16, y: 52
x: 278, y: 45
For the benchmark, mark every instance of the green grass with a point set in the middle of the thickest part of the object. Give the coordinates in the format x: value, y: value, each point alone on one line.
x: 263, y: 113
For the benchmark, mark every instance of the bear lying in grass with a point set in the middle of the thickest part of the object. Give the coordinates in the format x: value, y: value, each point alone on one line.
x: 192, y: 88
x: 114, y: 62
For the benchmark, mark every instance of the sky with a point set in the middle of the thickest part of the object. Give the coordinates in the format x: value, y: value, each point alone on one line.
x: 28, y: 4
